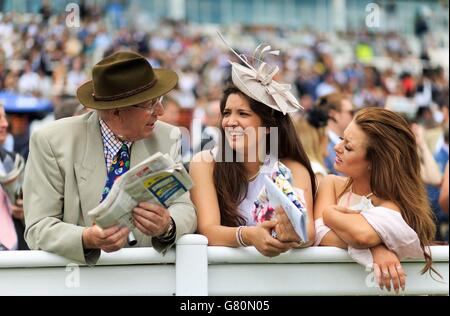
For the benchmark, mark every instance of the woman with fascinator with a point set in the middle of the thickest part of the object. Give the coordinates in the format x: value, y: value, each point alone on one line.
x: 258, y: 140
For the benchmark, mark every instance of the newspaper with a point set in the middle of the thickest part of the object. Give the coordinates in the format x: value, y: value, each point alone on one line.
x: 11, y: 175
x: 157, y: 179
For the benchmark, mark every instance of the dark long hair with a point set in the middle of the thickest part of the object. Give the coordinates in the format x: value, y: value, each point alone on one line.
x: 230, y: 178
x: 395, y: 171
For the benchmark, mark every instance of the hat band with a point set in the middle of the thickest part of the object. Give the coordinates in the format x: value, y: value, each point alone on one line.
x: 125, y: 94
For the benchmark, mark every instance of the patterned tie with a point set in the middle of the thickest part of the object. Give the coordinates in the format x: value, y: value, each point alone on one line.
x: 120, y: 165
x: 8, y: 236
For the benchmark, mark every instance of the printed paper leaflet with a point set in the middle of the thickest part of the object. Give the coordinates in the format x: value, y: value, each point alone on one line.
x: 297, y: 216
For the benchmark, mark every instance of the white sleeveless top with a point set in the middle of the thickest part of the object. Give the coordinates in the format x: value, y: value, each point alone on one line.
x: 247, y: 205
x: 254, y: 189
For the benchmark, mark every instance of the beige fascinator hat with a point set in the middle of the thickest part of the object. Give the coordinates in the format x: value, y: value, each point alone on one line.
x: 254, y: 78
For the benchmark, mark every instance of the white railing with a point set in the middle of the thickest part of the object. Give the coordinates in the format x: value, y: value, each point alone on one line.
x: 196, y: 269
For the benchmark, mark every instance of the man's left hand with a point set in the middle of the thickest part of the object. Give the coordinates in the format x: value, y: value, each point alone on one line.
x: 151, y: 219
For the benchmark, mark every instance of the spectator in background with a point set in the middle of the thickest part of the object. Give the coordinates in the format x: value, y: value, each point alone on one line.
x: 432, y: 178
x: 340, y: 113
x: 312, y: 132
x: 75, y: 77
x: 327, y: 86
x: 429, y: 169
x: 212, y: 114
x: 443, y: 198
x: 171, y: 111
x: 441, y: 153
x: 67, y: 108
x: 172, y: 115
x: 11, y: 215
x: 210, y: 127
x: 29, y: 82
x: 20, y: 129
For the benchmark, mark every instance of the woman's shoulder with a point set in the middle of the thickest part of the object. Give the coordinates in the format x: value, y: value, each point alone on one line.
x: 293, y: 165
x: 336, y: 182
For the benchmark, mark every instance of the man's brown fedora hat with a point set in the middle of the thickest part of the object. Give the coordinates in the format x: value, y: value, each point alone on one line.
x: 124, y: 79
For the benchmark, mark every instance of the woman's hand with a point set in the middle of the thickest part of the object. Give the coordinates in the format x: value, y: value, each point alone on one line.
x: 387, y: 267
x: 284, y: 229
x: 261, y: 238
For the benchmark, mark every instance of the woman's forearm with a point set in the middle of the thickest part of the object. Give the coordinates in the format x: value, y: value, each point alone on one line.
x: 331, y: 239
x: 220, y: 235
x: 353, y: 229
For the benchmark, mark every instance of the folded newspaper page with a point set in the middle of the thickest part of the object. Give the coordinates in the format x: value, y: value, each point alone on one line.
x: 11, y: 175
x: 278, y: 191
x: 296, y: 212
x: 157, y: 179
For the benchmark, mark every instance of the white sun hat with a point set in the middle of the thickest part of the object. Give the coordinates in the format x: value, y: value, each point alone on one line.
x: 255, y: 79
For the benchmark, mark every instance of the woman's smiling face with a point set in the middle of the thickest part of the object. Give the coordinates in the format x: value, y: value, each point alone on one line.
x: 241, y: 124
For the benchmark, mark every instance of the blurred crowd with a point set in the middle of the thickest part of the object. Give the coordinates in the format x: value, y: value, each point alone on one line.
x: 332, y: 75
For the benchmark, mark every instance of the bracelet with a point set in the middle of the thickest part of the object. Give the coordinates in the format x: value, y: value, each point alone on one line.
x: 239, y: 238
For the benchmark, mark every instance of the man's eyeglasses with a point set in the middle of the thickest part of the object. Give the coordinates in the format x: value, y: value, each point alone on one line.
x: 151, y: 105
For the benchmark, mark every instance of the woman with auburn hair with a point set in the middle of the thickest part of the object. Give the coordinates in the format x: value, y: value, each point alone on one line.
x: 229, y: 180
x: 380, y: 211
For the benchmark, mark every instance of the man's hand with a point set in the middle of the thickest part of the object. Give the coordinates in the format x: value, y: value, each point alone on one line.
x: 108, y: 240
x: 284, y: 229
x: 151, y: 219
x: 17, y: 209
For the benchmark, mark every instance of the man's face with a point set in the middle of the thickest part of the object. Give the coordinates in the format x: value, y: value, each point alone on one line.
x: 345, y: 116
x: 138, y: 121
x: 3, y: 125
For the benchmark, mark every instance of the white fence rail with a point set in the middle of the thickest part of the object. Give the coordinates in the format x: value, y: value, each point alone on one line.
x: 196, y: 269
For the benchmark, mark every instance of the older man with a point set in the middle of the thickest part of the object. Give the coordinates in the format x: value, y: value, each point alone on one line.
x: 71, y: 161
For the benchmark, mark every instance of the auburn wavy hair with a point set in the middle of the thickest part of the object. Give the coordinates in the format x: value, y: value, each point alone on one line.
x: 395, y: 171
x: 230, y: 178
